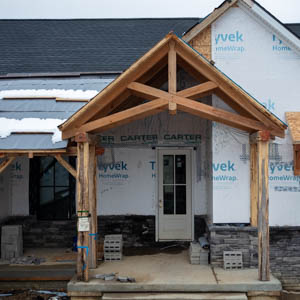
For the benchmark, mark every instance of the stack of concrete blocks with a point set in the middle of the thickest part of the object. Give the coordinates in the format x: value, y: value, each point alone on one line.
x: 11, y: 242
x: 233, y: 260
x: 113, y: 247
x: 198, y: 255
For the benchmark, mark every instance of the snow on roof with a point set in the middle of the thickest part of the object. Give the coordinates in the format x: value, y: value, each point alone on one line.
x: 71, y: 94
x: 31, y: 125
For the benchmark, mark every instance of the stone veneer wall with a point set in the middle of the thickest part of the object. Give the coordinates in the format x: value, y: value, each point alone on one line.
x: 284, y: 249
x: 138, y: 231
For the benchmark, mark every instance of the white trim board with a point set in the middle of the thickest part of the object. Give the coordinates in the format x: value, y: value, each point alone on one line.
x: 271, y: 24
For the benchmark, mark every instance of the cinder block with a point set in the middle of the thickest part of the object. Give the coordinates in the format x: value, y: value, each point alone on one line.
x: 11, y: 241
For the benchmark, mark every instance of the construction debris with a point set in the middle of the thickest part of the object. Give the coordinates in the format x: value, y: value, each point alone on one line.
x: 113, y: 247
x: 27, y: 260
x: 126, y: 279
x: 198, y: 255
x: 112, y: 276
x: 107, y: 277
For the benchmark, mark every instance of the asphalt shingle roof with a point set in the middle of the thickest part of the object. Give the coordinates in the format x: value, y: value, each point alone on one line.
x: 295, y: 28
x: 84, y: 45
x: 81, y: 45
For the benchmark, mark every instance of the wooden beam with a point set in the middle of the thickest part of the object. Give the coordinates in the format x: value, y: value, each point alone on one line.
x: 119, y: 85
x: 6, y: 163
x: 66, y: 165
x: 172, y: 68
x: 93, y: 207
x: 123, y: 117
x: 218, y: 115
x: 172, y: 108
x: 201, y: 109
x: 263, y: 206
x: 34, y: 151
x: 198, y: 91
x: 208, y: 20
x: 84, y: 137
x: 228, y: 87
x: 253, y: 183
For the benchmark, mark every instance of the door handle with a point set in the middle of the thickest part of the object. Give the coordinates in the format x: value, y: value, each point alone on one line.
x: 160, y: 203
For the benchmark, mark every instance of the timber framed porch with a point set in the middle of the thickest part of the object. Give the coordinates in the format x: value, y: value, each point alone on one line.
x: 138, y: 93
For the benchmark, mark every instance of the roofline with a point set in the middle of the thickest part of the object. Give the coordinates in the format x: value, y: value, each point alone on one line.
x: 70, y: 74
x: 276, y: 19
x: 85, y: 112
x: 266, y: 19
x: 209, y: 19
x: 248, y: 5
x: 106, y: 19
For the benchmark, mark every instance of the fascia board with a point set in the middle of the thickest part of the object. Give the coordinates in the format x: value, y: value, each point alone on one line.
x: 271, y: 24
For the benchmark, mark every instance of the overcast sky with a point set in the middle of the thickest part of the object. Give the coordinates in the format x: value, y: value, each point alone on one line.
x: 287, y: 11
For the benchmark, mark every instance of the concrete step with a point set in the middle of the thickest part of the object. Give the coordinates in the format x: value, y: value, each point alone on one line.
x: 174, y: 296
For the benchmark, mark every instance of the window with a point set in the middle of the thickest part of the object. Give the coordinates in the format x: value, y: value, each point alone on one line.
x: 54, y: 189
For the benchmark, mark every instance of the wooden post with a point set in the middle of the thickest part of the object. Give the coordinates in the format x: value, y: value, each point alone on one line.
x: 263, y: 205
x: 86, y: 204
x: 82, y: 187
x: 172, y: 76
x: 253, y: 182
x: 93, y: 208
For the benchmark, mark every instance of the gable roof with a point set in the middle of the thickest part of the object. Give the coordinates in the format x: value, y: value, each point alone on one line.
x: 170, y: 51
x: 287, y: 34
x: 80, y: 45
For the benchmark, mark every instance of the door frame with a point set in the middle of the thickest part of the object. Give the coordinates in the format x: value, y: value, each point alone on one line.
x: 193, y: 170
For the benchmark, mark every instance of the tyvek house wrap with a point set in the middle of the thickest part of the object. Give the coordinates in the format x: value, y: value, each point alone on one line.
x: 127, y: 172
x: 254, y: 57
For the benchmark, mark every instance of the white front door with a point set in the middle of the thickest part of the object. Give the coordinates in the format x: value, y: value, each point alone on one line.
x: 174, y: 195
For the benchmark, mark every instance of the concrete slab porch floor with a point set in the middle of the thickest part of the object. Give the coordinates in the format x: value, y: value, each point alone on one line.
x: 170, y: 273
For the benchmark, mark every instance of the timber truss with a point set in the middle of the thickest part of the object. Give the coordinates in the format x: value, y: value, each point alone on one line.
x: 136, y: 94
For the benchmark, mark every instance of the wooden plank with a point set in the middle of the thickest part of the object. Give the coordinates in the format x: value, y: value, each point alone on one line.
x: 6, y: 163
x: 58, y: 99
x: 200, y: 109
x: 93, y: 208
x: 30, y: 98
x: 66, y: 165
x: 253, y: 183
x: 208, y: 20
x: 122, y: 117
x: 34, y: 151
x: 172, y: 68
x: 119, y: 85
x: 228, y: 86
x: 263, y: 208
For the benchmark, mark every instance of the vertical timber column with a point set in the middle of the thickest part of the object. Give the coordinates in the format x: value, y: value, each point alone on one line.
x: 93, y: 208
x: 85, y: 202
x: 253, y: 182
x: 263, y: 138
x: 82, y: 211
x: 172, y: 76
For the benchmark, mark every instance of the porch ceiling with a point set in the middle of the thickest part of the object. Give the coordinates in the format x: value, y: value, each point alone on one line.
x: 135, y: 94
